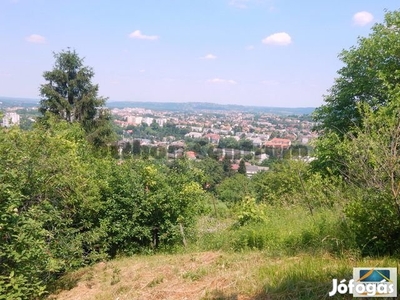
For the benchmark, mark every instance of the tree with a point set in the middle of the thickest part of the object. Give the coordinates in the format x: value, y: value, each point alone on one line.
x: 213, y: 172
x: 372, y: 169
x: 227, y: 166
x: 70, y: 94
x: 246, y: 145
x: 136, y: 149
x: 242, y: 167
x: 234, y: 189
x: 228, y: 142
x: 371, y: 69
x: 49, y: 207
x: 369, y: 76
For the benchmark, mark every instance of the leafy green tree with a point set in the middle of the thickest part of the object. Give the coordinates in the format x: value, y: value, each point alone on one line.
x: 371, y: 69
x: 372, y: 169
x: 369, y: 76
x: 49, y: 205
x: 70, y: 94
x: 213, y: 172
x: 228, y: 142
x: 233, y: 189
x: 246, y: 145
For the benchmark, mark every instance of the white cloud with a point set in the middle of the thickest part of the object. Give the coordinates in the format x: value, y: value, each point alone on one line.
x: 142, y: 70
x: 138, y: 35
x: 209, y: 56
x: 278, y: 39
x: 36, y: 38
x: 250, y: 47
x: 219, y: 80
x: 362, y: 18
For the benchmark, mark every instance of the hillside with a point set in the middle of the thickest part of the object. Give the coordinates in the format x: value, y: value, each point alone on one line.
x: 214, y: 275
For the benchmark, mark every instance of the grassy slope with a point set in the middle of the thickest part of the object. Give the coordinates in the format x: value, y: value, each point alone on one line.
x: 211, y: 275
x: 288, y: 257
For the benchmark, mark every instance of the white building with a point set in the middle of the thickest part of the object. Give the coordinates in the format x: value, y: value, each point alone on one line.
x: 161, y: 121
x: 147, y: 120
x: 10, y: 118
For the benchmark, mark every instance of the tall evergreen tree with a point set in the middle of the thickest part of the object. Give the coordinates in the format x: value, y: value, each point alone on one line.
x: 70, y: 94
x: 242, y: 167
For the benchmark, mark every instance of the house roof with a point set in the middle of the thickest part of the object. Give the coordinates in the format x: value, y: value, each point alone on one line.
x: 278, y: 142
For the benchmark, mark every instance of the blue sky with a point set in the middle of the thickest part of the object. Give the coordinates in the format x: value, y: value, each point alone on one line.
x: 251, y: 52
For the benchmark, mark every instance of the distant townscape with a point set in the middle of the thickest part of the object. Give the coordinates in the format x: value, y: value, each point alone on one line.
x: 197, y: 131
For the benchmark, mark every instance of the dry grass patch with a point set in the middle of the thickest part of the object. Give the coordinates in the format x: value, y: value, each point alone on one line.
x: 188, y: 276
x: 212, y: 276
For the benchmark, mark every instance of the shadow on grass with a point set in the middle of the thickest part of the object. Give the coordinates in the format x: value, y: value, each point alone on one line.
x: 66, y: 282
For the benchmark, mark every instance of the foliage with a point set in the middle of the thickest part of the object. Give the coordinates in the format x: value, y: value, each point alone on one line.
x: 233, y: 189
x: 213, y: 172
x: 371, y: 69
x: 227, y: 166
x: 63, y: 205
x: 369, y: 76
x: 285, y: 230
x: 70, y: 94
x: 228, y: 142
x: 294, y: 182
x: 242, y: 167
x: 371, y: 166
x: 248, y: 212
x: 145, y: 204
x: 49, y: 204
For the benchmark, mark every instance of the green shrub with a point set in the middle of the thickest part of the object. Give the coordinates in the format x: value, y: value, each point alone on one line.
x: 375, y: 223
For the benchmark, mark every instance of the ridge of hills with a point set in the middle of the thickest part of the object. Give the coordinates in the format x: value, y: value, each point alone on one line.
x: 176, y: 106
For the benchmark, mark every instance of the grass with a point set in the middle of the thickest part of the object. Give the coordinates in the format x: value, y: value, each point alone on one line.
x: 217, y: 275
x: 292, y: 255
x: 287, y: 231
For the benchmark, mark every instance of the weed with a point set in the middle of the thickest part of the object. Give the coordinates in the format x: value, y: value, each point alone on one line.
x: 195, y: 275
x: 115, y: 278
x: 156, y: 281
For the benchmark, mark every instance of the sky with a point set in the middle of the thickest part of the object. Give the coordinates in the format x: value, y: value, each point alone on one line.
x: 281, y: 53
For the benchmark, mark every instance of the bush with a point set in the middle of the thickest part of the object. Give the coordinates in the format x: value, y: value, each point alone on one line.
x: 49, y: 200
x: 375, y: 224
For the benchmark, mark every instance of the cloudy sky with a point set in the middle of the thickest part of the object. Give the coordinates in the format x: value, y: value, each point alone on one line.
x: 252, y: 52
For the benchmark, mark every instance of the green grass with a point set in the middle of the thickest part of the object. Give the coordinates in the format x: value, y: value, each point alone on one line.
x: 287, y: 231
x: 291, y: 255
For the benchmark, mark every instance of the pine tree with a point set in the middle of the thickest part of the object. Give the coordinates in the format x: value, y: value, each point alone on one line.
x: 242, y: 167
x: 70, y: 94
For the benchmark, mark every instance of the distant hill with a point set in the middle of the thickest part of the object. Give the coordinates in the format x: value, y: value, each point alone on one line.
x: 205, y: 106
x: 175, y: 106
x: 23, y: 102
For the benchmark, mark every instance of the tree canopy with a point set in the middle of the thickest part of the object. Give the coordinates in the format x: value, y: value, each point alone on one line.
x: 70, y: 94
x: 371, y: 70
